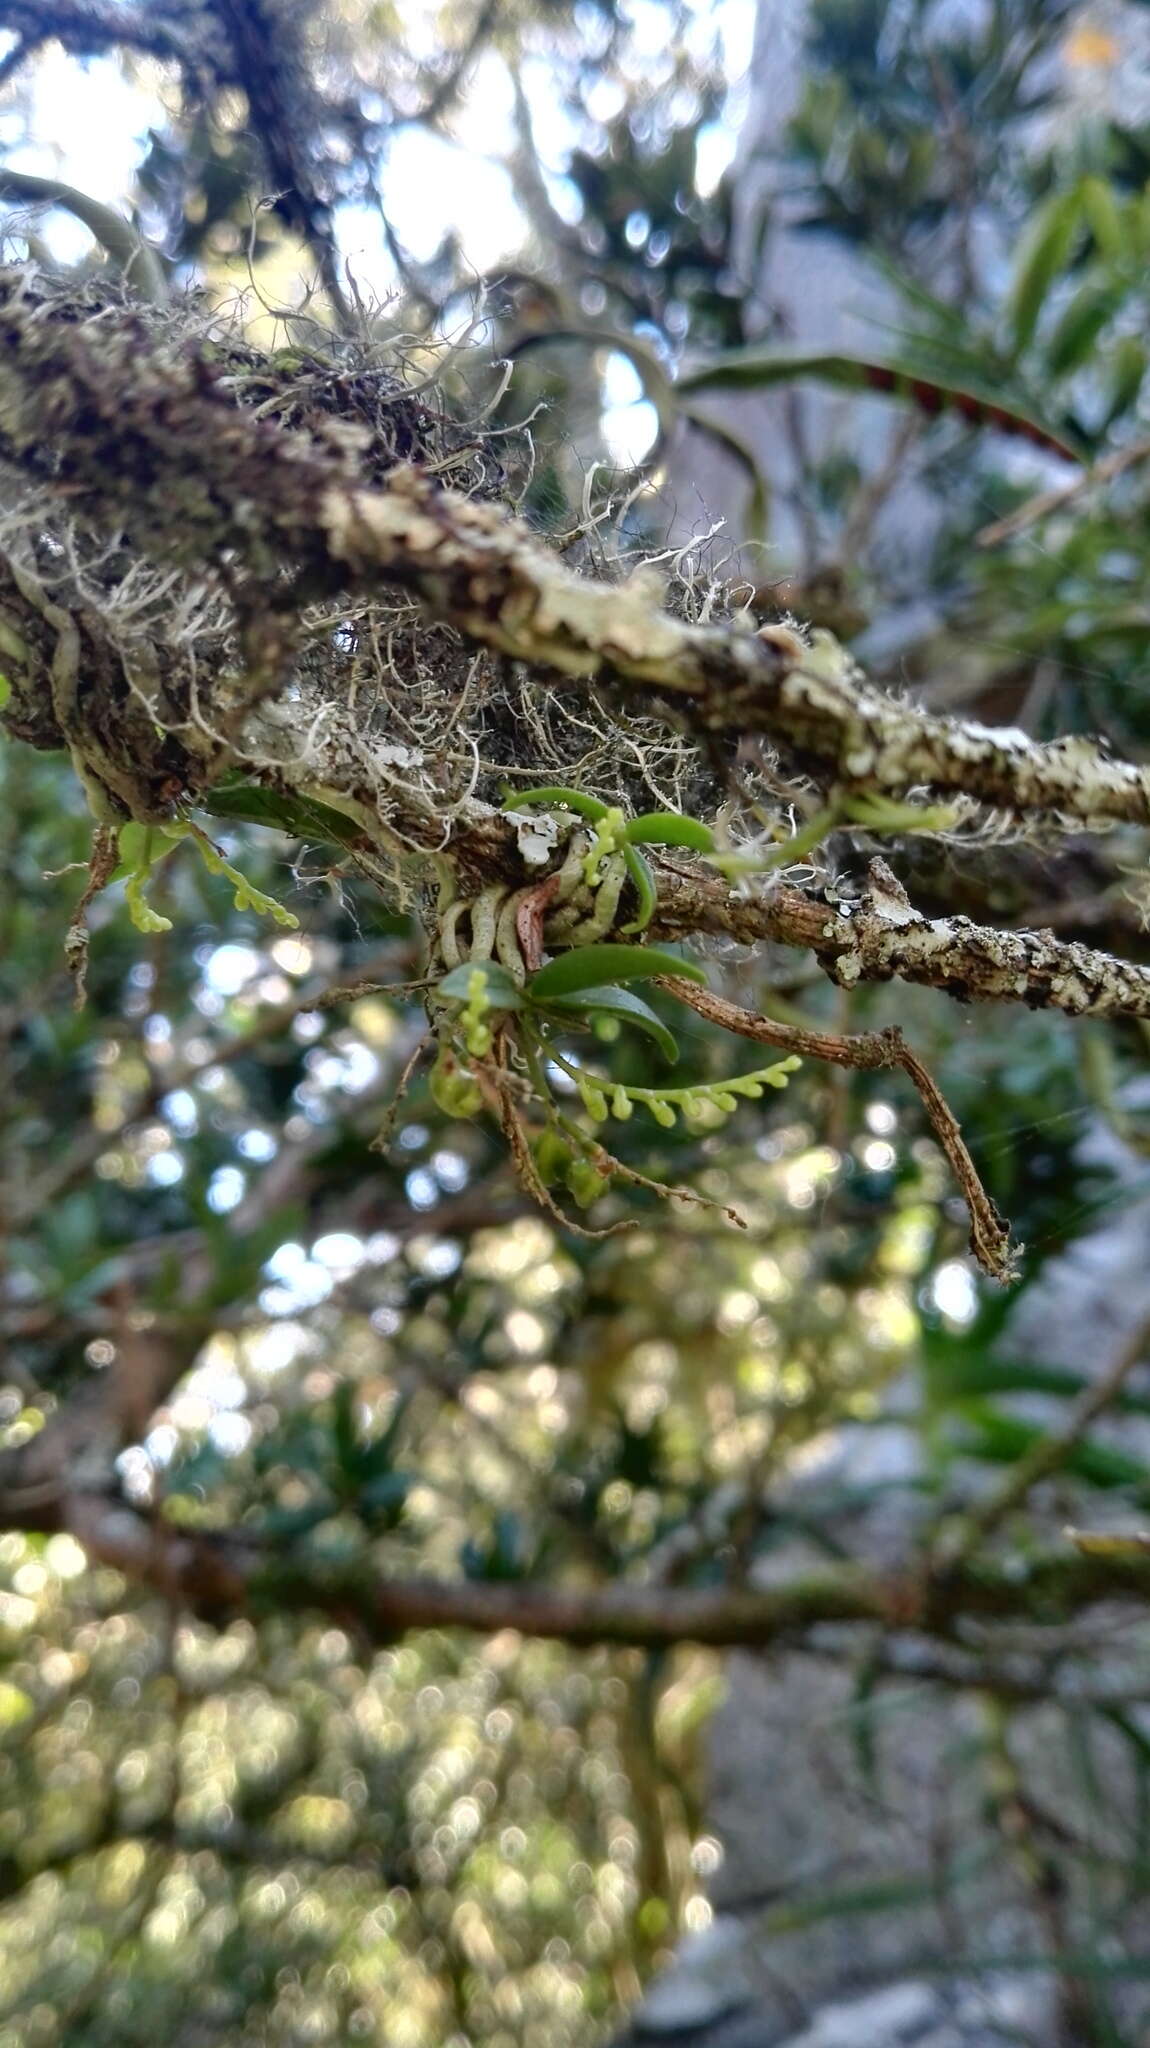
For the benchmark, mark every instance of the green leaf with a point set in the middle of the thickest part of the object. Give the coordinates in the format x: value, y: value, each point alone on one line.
x: 962, y: 1375
x: 1103, y: 217
x: 980, y: 401
x: 590, y: 966
x: 377, y: 1456
x: 618, y: 1002
x: 383, y: 1500
x: 1003, y: 1439
x: 1073, y: 339
x: 300, y: 817
x: 1045, y: 253
x: 345, y: 1428
x: 1126, y: 370
x: 134, y: 846
x: 5, y: 691
x: 501, y: 991
x: 665, y: 828
x: 643, y: 882
x: 573, y: 799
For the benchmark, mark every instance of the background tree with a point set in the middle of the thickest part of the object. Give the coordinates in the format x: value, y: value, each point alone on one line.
x: 292, y: 1403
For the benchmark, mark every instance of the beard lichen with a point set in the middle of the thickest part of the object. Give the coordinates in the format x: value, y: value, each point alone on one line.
x: 288, y: 587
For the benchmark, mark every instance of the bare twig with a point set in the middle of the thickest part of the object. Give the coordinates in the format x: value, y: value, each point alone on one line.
x: 1043, y: 503
x: 989, y: 1237
x: 1047, y: 1453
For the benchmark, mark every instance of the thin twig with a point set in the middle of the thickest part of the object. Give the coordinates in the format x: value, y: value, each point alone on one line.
x: 1048, y: 1453
x: 1044, y: 502
x: 989, y: 1236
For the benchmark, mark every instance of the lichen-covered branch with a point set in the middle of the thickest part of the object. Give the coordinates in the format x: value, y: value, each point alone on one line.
x: 271, y: 524
x: 880, y: 937
x: 146, y: 435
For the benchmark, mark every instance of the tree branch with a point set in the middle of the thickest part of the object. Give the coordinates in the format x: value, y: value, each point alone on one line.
x: 881, y: 936
x: 148, y: 437
x: 221, y: 1577
x: 88, y: 28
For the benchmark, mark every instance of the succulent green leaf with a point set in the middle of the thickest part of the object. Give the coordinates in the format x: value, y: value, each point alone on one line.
x: 620, y: 1003
x: 644, y: 883
x: 572, y: 799
x: 1046, y: 251
x: 665, y: 828
x: 588, y: 967
x: 134, y: 846
x: 586, y: 1182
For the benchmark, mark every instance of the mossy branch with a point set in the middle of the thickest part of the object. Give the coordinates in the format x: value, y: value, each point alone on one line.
x: 149, y: 436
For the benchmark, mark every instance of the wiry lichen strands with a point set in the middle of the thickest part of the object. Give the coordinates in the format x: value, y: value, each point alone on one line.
x: 146, y: 434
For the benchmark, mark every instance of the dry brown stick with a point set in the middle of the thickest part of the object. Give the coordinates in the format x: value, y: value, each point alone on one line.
x: 989, y: 1234
x: 1045, y: 502
x: 1047, y: 1454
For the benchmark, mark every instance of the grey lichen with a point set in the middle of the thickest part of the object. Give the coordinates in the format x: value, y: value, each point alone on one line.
x: 294, y: 567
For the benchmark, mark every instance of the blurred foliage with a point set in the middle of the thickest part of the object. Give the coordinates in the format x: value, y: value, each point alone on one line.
x: 275, y: 1832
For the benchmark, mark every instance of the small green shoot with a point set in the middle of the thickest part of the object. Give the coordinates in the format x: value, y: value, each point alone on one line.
x: 143, y: 847
x: 614, y: 833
